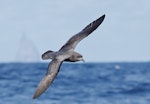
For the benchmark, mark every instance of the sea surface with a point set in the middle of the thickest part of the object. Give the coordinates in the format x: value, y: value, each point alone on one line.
x: 79, y: 83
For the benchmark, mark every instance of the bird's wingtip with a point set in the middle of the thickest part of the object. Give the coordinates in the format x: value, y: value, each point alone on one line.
x: 33, y: 97
x: 36, y: 95
x: 42, y: 86
x: 103, y: 16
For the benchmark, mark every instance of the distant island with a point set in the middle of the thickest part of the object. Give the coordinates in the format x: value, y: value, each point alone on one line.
x: 27, y: 51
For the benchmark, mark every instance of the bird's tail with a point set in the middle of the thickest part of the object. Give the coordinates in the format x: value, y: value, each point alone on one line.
x: 47, y: 55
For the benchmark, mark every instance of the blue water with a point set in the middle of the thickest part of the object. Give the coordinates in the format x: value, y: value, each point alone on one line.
x: 80, y: 83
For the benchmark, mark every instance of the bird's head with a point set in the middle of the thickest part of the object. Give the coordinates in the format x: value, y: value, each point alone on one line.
x: 80, y: 58
x: 76, y: 57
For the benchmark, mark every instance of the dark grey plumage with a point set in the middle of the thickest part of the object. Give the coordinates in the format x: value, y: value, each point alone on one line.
x: 66, y: 53
x: 73, y: 41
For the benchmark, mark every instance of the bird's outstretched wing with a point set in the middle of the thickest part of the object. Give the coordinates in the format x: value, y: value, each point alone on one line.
x: 73, y: 41
x: 53, y: 69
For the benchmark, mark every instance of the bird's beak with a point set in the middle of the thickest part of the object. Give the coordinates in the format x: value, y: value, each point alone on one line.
x: 83, y: 60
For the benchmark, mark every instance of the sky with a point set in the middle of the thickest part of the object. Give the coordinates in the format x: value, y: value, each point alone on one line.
x: 124, y: 35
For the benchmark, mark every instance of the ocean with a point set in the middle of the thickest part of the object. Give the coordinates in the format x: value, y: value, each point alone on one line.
x: 77, y: 83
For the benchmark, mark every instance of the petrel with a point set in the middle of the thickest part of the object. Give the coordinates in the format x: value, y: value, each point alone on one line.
x: 66, y: 53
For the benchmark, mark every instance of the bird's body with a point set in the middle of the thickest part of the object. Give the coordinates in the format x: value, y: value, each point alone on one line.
x: 66, y: 53
x: 51, y: 55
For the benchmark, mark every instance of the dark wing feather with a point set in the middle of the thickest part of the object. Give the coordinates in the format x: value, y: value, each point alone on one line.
x: 73, y: 41
x: 48, y: 78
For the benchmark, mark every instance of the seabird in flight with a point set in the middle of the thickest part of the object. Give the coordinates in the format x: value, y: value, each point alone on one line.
x: 66, y: 53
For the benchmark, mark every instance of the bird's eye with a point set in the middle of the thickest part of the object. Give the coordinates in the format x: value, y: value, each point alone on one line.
x: 79, y: 56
